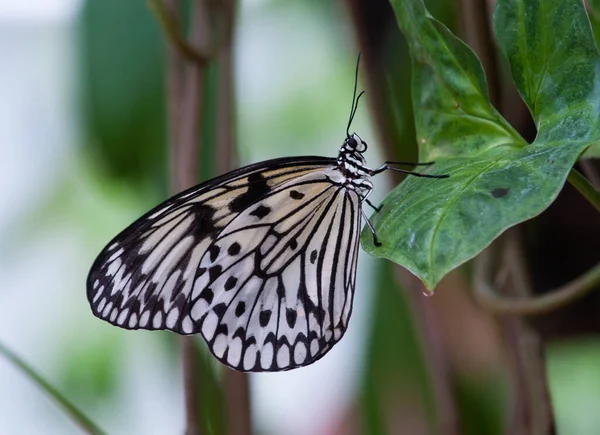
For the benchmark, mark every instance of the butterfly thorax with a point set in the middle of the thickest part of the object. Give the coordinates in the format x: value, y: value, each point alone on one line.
x: 353, y: 165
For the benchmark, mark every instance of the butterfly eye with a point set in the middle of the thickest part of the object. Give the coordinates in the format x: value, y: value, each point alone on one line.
x: 352, y: 143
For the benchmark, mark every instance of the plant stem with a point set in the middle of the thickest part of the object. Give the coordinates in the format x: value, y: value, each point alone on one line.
x: 528, y: 347
x: 585, y: 188
x: 185, y: 88
x: 189, y: 358
x: 489, y: 297
x: 237, y: 391
x: 434, y: 353
x: 531, y: 399
x: 72, y: 411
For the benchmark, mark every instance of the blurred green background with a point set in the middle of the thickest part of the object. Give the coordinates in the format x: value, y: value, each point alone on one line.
x: 83, y: 134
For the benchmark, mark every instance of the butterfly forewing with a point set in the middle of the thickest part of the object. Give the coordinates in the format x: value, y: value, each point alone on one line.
x: 261, y: 261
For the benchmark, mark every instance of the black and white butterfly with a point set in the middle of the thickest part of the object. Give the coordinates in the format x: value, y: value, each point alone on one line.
x: 261, y: 261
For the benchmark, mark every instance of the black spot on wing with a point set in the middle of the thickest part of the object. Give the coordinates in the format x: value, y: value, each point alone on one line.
x: 149, y: 292
x: 320, y: 315
x: 230, y: 283
x: 151, y: 301
x: 309, y: 306
x: 271, y: 338
x: 500, y: 192
x: 204, y: 224
x: 214, y: 272
x: 136, y: 306
x: 240, y: 309
x: 213, y: 251
x: 313, y: 256
x: 159, y: 305
x: 291, y: 315
x: 294, y: 194
x: 293, y: 244
x: 234, y: 249
x: 220, y: 309
x: 240, y: 332
x: 264, y: 317
x: 221, y: 329
x: 207, y: 294
x: 257, y: 188
x: 261, y: 211
x: 283, y: 341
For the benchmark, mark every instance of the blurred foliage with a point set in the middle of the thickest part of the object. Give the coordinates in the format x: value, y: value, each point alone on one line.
x: 91, y: 372
x: 395, y: 373
x: 479, y: 400
x: 123, y: 90
x: 575, y: 385
x: 68, y: 406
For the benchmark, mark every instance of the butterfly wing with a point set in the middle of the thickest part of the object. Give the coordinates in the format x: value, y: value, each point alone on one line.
x: 275, y: 288
x: 218, y: 259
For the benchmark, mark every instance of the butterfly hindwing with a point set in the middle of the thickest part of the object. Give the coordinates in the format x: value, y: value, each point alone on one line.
x: 284, y: 298
x: 261, y: 261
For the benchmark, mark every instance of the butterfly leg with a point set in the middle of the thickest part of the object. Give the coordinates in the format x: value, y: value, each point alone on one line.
x: 409, y: 163
x: 376, y: 241
x: 386, y: 166
x: 377, y: 209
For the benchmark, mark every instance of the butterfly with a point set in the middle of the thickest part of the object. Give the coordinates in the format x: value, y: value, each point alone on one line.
x: 260, y: 261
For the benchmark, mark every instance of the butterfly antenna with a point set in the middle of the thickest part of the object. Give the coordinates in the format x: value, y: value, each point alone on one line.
x: 354, y: 99
x: 356, y: 106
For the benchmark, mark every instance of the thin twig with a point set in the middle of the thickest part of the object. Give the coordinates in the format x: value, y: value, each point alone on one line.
x: 82, y: 420
x: 584, y: 187
x: 489, y: 297
x: 170, y: 24
x: 175, y: 92
x: 226, y: 124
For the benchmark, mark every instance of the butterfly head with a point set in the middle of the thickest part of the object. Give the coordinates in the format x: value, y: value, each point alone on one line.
x: 350, y: 159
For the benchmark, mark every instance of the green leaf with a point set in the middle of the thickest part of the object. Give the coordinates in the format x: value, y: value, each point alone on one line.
x: 555, y: 65
x: 496, y: 179
x: 594, y: 15
x: 71, y: 410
